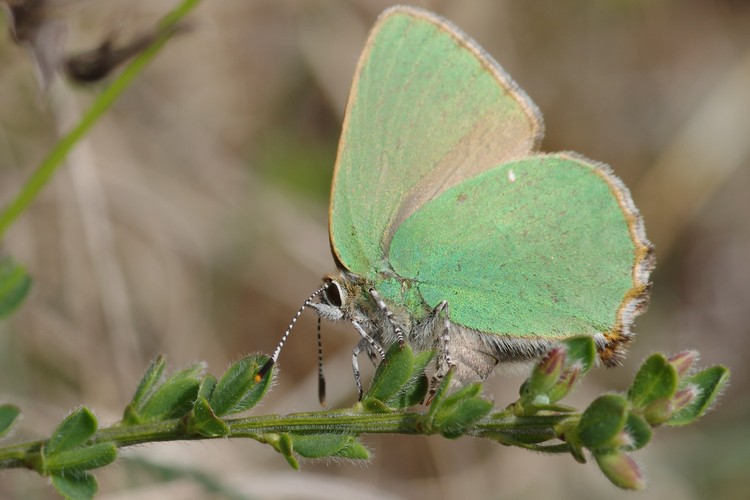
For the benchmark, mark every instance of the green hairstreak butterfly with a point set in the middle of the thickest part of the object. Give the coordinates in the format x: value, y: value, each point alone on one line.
x: 451, y: 231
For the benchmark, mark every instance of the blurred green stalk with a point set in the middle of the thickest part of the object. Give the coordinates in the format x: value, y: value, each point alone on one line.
x: 101, y: 104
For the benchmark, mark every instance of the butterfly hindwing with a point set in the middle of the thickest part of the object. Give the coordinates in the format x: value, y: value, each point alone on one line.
x: 549, y: 246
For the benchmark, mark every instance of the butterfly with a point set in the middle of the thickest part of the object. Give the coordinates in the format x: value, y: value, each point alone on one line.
x: 451, y: 231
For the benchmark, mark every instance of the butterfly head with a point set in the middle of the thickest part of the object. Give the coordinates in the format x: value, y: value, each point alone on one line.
x: 338, y: 298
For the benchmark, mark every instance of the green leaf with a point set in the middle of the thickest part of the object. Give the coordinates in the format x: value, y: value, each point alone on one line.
x: 709, y: 382
x: 318, y: 445
x: 238, y: 390
x: 329, y: 445
x: 15, y: 284
x: 441, y: 393
x: 447, y: 403
x: 413, y: 393
x: 204, y: 421
x: 393, y: 373
x: 455, y: 424
x: 81, y: 459
x: 567, y: 431
x: 80, y: 486
x: 206, y: 389
x: 8, y: 416
x: 415, y: 389
x: 457, y: 412
x: 354, y: 450
x: 149, y: 381
x: 421, y: 361
x: 582, y: 351
x: 638, y: 430
x: 173, y: 398
x: 576, y: 450
x: 656, y: 379
x: 72, y: 432
x: 285, y: 446
x: 602, y: 421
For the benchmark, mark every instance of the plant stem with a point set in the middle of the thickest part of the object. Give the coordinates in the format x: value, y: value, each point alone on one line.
x: 101, y: 105
x: 351, y: 421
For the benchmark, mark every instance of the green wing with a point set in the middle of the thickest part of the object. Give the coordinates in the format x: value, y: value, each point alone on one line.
x: 549, y: 246
x: 428, y: 108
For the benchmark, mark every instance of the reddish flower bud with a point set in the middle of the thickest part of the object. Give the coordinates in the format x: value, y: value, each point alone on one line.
x: 546, y: 373
x: 621, y: 469
x: 682, y: 361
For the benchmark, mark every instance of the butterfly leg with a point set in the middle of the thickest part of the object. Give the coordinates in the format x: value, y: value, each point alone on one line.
x: 444, y: 362
x: 371, y: 346
x: 388, y: 314
x: 368, y: 339
x: 362, y: 344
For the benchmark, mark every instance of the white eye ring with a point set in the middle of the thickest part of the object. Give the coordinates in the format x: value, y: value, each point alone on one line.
x: 334, y: 294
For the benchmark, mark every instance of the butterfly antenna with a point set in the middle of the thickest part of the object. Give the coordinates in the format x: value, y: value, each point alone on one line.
x: 321, y: 376
x: 275, y: 356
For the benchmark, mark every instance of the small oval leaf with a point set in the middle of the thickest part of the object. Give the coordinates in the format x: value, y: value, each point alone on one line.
x: 172, y: 399
x: 656, y: 379
x: 318, y: 445
x: 392, y: 374
x: 80, y: 486
x: 602, y: 421
x: 457, y: 412
x: 81, y: 459
x: 238, y: 390
x: 639, y: 432
x: 582, y: 351
x: 709, y: 382
x: 354, y: 450
x: 72, y: 432
x: 8, y: 416
x: 415, y: 389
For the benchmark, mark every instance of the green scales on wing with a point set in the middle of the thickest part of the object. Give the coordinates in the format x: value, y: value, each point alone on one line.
x: 439, y: 192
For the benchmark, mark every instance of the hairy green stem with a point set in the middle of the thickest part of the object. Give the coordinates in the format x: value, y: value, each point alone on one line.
x: 348, y: 422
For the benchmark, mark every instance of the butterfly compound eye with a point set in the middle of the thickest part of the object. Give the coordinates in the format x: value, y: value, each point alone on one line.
x: 334, y: 294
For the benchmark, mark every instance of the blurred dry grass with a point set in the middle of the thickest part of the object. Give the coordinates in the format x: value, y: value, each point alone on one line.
x: 192, y: 222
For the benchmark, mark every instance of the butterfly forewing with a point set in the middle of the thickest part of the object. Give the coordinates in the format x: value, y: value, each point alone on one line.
x: 427, y: 109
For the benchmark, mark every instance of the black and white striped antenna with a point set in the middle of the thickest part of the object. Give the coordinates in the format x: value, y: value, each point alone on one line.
x: 321, y: 376
x: 275, y: 356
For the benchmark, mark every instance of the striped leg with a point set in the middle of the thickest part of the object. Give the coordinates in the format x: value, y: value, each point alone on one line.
x: 443, y: 363
x: 370, y: 341
x: 371, y: 346
x: 388, y: 314
x: 362, y: 344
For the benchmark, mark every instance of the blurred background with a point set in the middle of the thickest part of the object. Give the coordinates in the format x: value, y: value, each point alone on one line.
x: 192, y: 222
